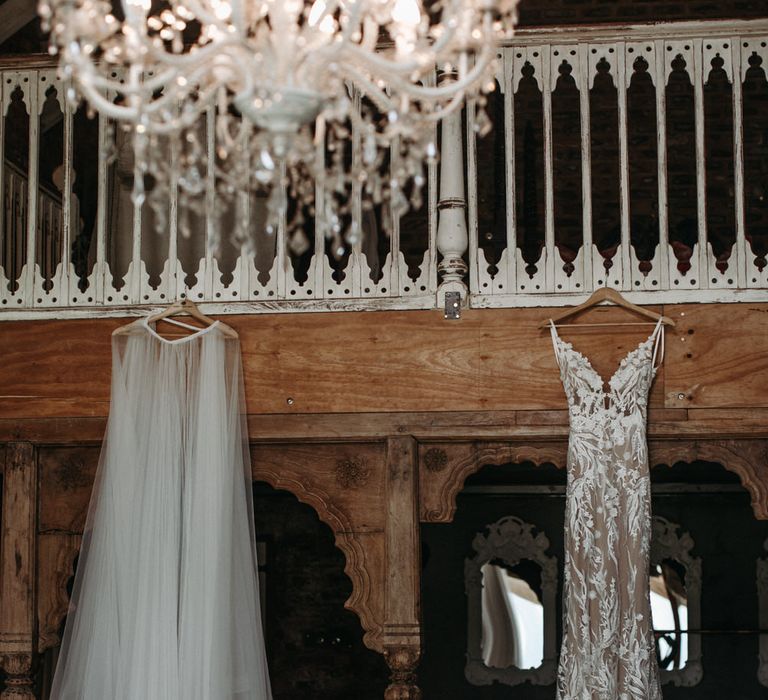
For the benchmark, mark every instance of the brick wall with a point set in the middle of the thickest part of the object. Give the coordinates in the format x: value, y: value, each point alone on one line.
x: 541, y: 12
x: 548, y: 12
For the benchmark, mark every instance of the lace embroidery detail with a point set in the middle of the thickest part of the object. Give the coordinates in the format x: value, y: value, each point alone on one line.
x: 608, y: 650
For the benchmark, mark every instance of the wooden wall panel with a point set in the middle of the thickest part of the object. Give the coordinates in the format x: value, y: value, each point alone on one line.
x: 408, y: 361
x: 718, y: 356
x: 66, y: 477
x: 55, y: 368
x: 352, y: 476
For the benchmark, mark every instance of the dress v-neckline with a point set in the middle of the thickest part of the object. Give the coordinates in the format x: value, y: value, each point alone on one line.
x: 623, y: 362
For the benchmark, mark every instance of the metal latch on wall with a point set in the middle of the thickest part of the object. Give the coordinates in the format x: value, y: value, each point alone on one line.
x: 453, y: 305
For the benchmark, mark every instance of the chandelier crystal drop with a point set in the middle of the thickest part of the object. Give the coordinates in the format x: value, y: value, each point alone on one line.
x: 288, y: 99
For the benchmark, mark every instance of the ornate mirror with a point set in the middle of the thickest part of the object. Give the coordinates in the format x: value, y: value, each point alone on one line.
x: 675, y: 603
x: 762, y: 612
x: 511, y: 587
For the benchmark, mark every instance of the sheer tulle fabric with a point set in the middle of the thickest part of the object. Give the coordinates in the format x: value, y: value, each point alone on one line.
x: 165, y: 601
x: 608, y: 650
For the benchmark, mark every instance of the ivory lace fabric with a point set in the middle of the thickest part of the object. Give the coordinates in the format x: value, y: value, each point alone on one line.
x: 608, y: 650
x: 165, y: 602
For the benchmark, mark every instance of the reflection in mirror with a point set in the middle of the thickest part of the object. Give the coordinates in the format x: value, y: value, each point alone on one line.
x: 669, y: 611
x: 675, y: 582
x: 762, y: 617
x: 513, y: 616
x: 511, y: 586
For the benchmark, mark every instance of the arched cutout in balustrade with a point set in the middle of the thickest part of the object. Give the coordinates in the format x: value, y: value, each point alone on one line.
x: 566, y: 167
x: 604, y: 132
x: 643, y: 165
x: 86, y: 138
x: 719, y: 163
x: 16, y: 166
x: 529, y: 169
x: 755, y: 121
x: 50, y: 173
x: 681, y: 165
x: 492, y: 185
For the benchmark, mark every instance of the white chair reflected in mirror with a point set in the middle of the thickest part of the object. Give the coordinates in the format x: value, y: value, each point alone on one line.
x: 676, y: 603
x: 511, y: 587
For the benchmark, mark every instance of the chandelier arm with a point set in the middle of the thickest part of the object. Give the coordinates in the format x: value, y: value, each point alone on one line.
x: 237, y: 18
x: 99, y: 85
x: 355, y: 20
x: 432, y: 93
x: 131, y: 114
x: 155, y: 82
x: 204, y: 17
x: 202, y: 53
x: 444, y: 111
x: 370, y: 89
x: 438, y: 47
x: 102, y: 104
x: 376, y: 59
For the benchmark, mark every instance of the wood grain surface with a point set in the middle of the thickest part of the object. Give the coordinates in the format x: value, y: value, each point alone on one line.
x: 406, y: 361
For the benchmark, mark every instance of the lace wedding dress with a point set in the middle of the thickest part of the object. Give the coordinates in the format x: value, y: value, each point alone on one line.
x: 165, y: 602
x: 608, y: 650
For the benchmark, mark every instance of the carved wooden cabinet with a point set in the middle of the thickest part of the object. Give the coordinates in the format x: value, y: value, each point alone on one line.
x: 371, y: 493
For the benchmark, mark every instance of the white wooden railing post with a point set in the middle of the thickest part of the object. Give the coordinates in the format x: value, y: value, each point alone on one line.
x: 452, y: 234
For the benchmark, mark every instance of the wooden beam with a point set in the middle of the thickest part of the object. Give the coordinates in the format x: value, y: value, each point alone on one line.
x: 15, y: 14
x: 404, y: 362
x: 450, y: 426
x: 17, y: 570
x: 402, y: 616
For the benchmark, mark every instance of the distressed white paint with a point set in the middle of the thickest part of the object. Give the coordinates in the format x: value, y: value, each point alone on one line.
x: 50, y: 231
x: 452, y: 234
x: 759, y: 45
x: 661, y: 261
x: 623, y: 256
x: 586, y: 166
x: 701, y: 175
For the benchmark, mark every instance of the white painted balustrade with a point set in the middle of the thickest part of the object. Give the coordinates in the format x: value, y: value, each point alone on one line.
x: 631, y: 156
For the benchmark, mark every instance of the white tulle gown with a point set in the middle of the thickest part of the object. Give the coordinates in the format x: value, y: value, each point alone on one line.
x: 165, y: 601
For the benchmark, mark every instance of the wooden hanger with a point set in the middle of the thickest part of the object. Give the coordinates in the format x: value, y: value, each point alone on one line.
x: 608, y: 294
x: 185, y: 307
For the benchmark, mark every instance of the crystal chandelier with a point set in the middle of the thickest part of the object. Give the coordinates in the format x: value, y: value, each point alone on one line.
x: 338, y: 92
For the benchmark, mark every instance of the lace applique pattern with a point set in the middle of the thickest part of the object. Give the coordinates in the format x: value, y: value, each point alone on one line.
x: 608, y: 650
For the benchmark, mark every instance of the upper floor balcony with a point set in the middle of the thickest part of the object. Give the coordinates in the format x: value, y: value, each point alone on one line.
x: 630, y: 156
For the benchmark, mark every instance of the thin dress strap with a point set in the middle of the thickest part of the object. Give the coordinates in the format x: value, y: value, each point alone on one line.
x: 555, y: 336
x: 658, y: 345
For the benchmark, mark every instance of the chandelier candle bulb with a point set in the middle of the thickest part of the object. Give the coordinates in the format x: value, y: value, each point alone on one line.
x: 273, y: 69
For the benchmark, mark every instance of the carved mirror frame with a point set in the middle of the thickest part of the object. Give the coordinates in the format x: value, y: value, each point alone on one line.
x: 511, y: 540
x: 666, y: 543
x: 762, y: 618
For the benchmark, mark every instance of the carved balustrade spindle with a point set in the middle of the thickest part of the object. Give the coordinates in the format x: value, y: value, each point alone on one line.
x: 452, y: 233
x: 20, y: 678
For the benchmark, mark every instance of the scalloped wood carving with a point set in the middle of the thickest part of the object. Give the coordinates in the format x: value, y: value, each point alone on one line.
x: 360, y: 601
x: 57, y: 555
x: 747, y: 458
x: 488, y: 454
